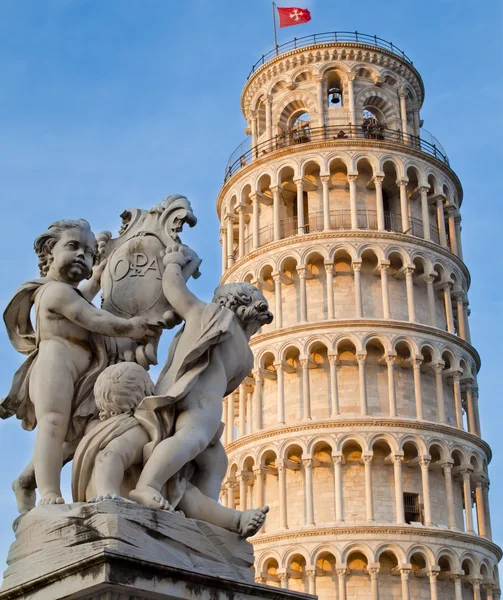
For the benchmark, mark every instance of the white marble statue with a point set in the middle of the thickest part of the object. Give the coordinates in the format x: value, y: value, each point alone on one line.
x: 110, y: 457
x: 52, y: 389
x: 85, y: 385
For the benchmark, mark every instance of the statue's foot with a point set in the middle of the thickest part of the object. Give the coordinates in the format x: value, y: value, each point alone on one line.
x: 26, y: 498
x: 149, y: 496
x: 252, y: 520
x: 50, y: 498
x: 112, y: 496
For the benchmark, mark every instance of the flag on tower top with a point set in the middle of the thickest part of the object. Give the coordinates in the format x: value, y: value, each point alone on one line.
x: 292, y: 16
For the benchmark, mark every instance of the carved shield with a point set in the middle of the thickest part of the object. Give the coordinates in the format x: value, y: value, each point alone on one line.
x: 132, y: 282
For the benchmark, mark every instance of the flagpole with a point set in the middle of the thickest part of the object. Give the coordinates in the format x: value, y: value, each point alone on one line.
x: 274, y: 23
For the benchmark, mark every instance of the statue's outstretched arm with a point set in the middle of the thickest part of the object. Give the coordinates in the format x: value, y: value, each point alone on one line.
x: 173, y: 282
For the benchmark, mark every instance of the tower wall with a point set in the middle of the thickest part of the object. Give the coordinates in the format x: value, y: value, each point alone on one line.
x: 359, y: 424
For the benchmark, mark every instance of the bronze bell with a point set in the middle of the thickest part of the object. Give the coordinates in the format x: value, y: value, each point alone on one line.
x: 336, y: 95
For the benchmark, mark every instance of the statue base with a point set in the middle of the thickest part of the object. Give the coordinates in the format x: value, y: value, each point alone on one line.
x: 121, y: 551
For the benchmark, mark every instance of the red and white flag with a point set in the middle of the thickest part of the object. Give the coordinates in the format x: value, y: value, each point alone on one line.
x: 292, y: 16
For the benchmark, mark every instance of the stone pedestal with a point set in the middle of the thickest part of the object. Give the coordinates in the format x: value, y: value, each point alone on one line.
x: 121, y: 551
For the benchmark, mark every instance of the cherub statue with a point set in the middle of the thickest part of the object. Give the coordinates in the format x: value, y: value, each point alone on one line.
x: 66, y: 351
x: 208, y: 359
x: 107, y: 460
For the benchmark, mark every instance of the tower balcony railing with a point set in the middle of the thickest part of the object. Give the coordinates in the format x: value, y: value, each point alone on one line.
x: 340, y: 220
x: 327, y: 38
x: 335, y: 133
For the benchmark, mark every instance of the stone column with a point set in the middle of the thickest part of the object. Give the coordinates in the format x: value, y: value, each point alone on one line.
x: 329, y: 270
x: 303, y: 293
x: 475, y: 581
x: 241, y: 228
x: 283, y: 578
x: 390, y: 360
x: 489, y: 589
x: 409, y: 283
x: 258, y: 488
x: 456, y: 578
x: 424, y: 463
x: 449, y: 495
x: 230, y: 240
x: 416, y: 366
x: 404, y: 204
x: 352, y: 112
x: 257, y: 400
x: 441, y: 221
x: 404, y: 575
x: 459, y: 297
x: 306, y: 392
x: 470, y: 409
x: 231, y: 501
x: 373, y: 570
x: 381, y: 225
x: 339, y: 507
x: 341, y: 576
x: 487, y: 512
x: 403, y: 113
x: 457, y: 224
x: 325, y: 182
x: 311, y: 581
x: 223, y: 242
x: 320, y: 97
x: 223, y: 495
x: 255, y: 221
x: 283, y: 513
x: 383, y: 269
x: 276, y: 199
x: 268, y: 118
x: 466, y: 313
x: 433, y: 574
x: 242, y: 490
x: 253, y: 124
x: 456, y: 385
x: 439, y: 383
x: 397, y: 467
x: 361, y: 357
x: 249, y: 406
x: 425, y: 212
x: 357, y: 265
x: 230, y: 418
x: 429, y: 279
x: 278, y: 302
x: 481, y: 512
x: 352, y: 200
x: 280, y: 383
x: 369, y: 497
x: 453, y: 238
x: 446, y: 287
x: 334, y: 390
x: 467, y: 496
x: 242, y: 411
x: 308, y: 474
x: 300, y: 206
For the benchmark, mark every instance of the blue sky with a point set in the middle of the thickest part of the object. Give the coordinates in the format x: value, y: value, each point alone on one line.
x: 112, y: 104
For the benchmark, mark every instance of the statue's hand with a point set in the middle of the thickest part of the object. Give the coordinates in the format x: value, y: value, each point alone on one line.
x: 98, y: 270
x: 176, y: 255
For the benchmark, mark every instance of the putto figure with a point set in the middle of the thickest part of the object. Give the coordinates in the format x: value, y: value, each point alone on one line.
x: 208, y: 359
x: 109, y: 458
x: 66, y: 351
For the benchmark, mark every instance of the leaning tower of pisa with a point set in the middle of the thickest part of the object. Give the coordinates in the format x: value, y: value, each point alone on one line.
x: 359, y: 425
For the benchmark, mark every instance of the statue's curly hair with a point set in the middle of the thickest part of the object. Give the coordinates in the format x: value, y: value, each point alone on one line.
x: 241, y: 298
x: 120, y: 388
x: 46, y: 241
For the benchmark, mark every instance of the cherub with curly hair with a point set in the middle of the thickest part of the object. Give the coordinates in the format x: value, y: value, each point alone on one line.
x: 108, y: 459
x: 208, y: 359
x: 66, y: 353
